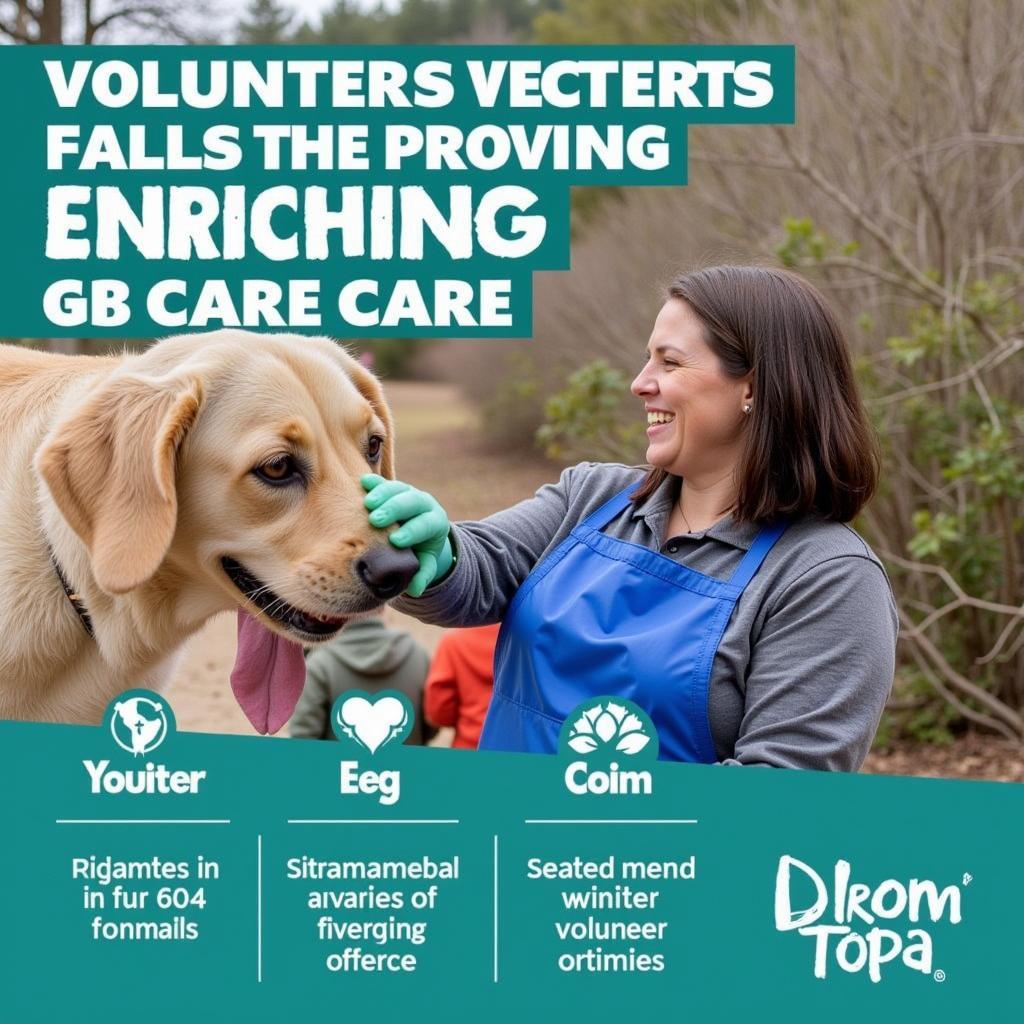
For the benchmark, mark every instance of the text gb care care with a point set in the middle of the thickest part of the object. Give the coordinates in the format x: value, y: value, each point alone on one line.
x: 284, y: 223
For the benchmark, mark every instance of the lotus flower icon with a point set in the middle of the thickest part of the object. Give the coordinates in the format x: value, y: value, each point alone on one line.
x: 609, y: 725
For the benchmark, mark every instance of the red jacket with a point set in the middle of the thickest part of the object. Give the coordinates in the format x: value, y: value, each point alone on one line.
x: 460, y: 682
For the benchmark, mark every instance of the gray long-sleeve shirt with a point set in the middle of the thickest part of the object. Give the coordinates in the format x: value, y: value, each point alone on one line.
x: 806, y: 662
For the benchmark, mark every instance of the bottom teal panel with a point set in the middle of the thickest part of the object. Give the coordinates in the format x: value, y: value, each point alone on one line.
x: 229, y: 878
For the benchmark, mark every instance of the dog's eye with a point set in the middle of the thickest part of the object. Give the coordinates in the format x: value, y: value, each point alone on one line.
x: 282, y: 470
x: 373, y: 448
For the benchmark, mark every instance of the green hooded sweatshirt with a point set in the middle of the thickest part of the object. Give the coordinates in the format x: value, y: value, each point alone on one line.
x: 366, y: 655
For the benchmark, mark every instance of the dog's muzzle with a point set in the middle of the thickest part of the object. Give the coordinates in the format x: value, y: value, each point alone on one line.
x: 386, y: 570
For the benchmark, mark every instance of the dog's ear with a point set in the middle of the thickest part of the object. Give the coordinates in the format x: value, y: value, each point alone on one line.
x: 110, y: 467
x: 369, y: 387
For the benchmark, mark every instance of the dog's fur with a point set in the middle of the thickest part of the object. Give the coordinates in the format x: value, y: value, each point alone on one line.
x: 137, y: 473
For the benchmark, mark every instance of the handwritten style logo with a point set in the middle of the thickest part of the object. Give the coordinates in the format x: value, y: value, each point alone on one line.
x: 856, y: 906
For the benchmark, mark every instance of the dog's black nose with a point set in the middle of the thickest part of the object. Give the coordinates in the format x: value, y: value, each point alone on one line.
x: 387, y: 570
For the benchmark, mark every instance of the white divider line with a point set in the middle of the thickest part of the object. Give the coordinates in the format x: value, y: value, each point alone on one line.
x: 373, y: 821
x: 495, y: 909
x: 611, y: 821
x: 259, y: 908
x: 143, y: 821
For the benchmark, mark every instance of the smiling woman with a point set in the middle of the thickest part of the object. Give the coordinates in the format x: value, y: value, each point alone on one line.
x: 717, y: 587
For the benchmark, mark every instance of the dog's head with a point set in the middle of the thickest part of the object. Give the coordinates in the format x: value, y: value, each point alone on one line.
x: 226, y: 467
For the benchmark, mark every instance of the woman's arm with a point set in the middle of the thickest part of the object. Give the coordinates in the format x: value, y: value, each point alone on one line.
x: 492, y: 558
x: 821, y: 670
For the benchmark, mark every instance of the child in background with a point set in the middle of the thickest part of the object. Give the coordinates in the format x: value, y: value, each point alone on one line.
x: 369, y: 656
x: 460, y: 682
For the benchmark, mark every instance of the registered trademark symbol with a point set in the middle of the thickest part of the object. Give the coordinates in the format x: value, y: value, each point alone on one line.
x: 939, y: 975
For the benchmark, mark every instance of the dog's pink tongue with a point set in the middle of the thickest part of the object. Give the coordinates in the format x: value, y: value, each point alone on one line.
x: 268, y: 676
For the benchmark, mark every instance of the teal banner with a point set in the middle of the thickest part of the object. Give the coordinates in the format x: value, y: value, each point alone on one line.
x: 164, y: 876
x: 408, y: 193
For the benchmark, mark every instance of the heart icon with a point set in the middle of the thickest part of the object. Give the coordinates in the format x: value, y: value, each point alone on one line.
x: 372, y: 722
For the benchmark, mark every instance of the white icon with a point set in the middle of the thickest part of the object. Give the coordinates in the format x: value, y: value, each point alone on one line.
x: 138, y: 725
x: 968, y: 878
x: 610, y: 724
x: 372, y: 724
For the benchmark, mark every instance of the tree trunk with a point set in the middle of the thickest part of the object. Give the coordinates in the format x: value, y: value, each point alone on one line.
x: 51, y: 22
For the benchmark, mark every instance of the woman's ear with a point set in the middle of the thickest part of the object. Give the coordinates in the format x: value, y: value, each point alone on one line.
x: 110, y: 468
x: 748, y: 391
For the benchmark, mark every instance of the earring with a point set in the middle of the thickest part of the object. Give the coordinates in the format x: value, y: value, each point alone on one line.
x: 747, y: 409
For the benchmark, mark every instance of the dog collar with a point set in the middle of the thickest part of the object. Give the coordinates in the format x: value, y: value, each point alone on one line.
x: 75, y: 598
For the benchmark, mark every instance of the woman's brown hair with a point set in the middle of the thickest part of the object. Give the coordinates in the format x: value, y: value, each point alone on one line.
x: 809, y: 449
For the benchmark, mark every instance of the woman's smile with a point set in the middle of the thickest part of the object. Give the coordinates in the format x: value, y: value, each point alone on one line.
x: 659, y: 421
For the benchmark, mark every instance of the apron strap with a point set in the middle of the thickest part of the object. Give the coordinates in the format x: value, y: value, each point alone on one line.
x: 763, y: 543
x: 600, y: 518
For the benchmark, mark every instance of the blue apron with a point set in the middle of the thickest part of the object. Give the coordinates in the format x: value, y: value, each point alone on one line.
x: 605, y: 616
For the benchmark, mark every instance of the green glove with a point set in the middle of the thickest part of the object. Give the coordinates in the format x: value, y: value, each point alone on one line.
x: 424, y: 526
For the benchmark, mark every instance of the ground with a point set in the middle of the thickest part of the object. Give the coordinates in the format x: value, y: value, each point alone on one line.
x: 439, y: 449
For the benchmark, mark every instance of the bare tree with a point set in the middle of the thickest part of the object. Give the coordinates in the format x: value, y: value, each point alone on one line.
x: 91, y: 21
x: 901, y: 190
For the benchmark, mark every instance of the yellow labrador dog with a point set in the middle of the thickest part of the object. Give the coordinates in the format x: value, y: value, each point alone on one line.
x: 141, y: 495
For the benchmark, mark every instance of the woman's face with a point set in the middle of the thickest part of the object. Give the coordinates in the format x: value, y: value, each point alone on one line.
x: 694, y: 411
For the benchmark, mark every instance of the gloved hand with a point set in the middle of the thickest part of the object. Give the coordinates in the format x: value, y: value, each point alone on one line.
x: 424, y: 526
